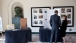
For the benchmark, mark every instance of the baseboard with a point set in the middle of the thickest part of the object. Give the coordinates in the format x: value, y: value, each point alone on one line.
x: 70, y: 32
x: 35, y: 32
x: 66, y: 32
x: 38, y: 32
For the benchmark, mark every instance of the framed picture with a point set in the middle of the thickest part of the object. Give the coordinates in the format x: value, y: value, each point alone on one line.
x: 69, y: 12
x: 37, y: 16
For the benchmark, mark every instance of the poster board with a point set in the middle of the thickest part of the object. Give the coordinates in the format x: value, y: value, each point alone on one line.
x: 69, y: 12
x: 47, y: 17
x: 23, y: 23
x: 1, y: 27
x: 10, y: 27
x: 50, y: 12
x: 37, y: 16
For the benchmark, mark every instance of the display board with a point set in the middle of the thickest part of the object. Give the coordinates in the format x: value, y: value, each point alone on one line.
x: 1, y: 27
x: 37, y: 16
x: 23, y: 23
x: 69, y: 12
x: 10, y: 27
x: 47, y: 17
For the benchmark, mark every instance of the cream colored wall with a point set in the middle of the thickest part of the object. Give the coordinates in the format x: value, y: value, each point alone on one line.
x: 0, y: 8
x: 27, y: 4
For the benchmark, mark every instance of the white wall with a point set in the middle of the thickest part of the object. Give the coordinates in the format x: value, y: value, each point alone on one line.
x: 27, y: 4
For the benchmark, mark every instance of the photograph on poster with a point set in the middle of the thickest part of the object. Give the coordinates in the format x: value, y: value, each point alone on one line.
x: 69, y: 12
x: 69, y: 21
x: 37, y: 16
x: 69, y: 16
x: 45, y: 11
x: 40, y: 16
x: 40, y: 11
x: 40, y: 22
x: 35, y: 22
x: 62, y: 15
x: 35, y: 11
x: 62, y: 10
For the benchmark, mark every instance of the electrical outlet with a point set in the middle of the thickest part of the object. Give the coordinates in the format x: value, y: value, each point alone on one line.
x: 70, y: 29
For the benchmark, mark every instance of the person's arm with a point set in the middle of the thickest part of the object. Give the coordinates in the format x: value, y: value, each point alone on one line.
x: 59, y: 21
x: 50, y: 20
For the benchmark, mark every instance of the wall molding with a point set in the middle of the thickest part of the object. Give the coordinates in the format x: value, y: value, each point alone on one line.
x: 38, y: 32
x: 66, y: 32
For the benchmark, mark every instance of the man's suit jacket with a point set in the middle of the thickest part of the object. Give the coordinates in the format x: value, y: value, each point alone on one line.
x: 55, y: 21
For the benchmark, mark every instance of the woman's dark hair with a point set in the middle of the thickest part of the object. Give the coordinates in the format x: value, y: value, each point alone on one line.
x: 65, y: 17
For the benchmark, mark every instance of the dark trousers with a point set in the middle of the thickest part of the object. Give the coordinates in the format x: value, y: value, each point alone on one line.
x: 54, y: 31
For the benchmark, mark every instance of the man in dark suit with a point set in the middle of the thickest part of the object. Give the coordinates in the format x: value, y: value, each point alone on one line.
x: 55, y: 22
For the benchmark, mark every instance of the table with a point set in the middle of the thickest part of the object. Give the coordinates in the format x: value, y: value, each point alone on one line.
x: 18, y: 36
x: 44, y: 35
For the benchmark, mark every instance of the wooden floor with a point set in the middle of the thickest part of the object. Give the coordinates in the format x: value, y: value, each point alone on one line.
x: 70, y: 38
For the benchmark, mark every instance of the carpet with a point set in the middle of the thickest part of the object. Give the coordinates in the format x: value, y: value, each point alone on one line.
x: 70, y: 38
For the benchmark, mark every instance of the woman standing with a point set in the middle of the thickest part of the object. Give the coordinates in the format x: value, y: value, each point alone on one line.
x: 64, y: 27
